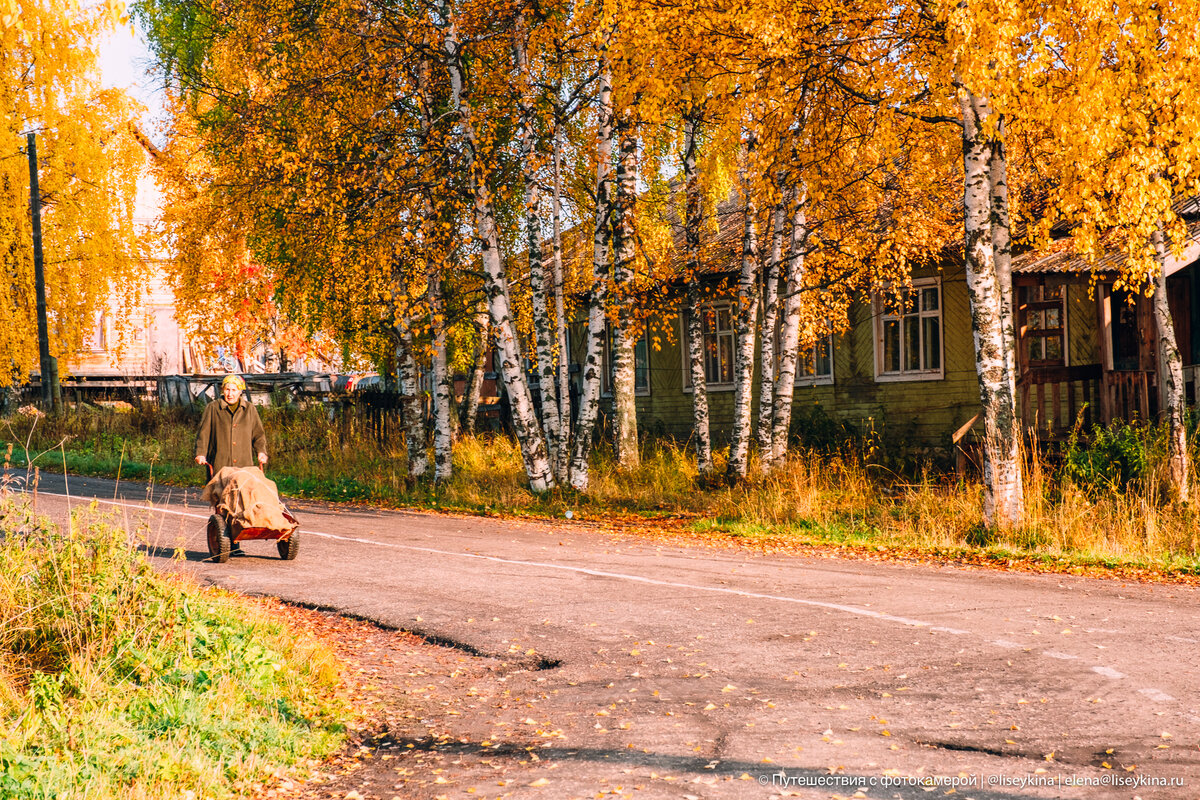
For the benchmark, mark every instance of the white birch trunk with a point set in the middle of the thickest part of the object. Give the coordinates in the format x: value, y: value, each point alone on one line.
x: 625, y: 436
x: 1003, y: 501
x: 1170, y: 380
x: 701, y: 438
x: 1002, y: 251
x: 562, y: 469
x: 443, y: 433
x: 789, y: 337
x: 524, y: 417
x: 770, y: 296
x: 589, y: 396
x: 410, y: 387
x: 483, y: 330
x: 436, y: 250
x: 545, y: 344
x: 747, y: 315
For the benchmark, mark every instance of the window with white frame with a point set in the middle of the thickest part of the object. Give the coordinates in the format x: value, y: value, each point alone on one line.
x: 641, y: 364
x: 717, y: 324
x: 908, y: 333
x: 95, y: 339
x: 815, y: 364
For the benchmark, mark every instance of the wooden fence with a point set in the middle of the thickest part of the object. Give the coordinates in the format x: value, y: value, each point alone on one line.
x: 1052, y: 398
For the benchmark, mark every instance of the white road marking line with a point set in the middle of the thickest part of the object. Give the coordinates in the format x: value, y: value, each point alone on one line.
x: 1185, y: 639
x: 862, y: 612
x: 955, y: 631
x: 1157, y: 696
x: 1060, y: 656
x: 1006, y: 644
x: 1108, y: 672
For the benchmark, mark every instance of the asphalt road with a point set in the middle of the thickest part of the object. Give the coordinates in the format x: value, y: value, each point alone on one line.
x: 711, y: 672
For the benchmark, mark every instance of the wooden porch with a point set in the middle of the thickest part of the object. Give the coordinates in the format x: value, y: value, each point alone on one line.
x: 1055, y: 399
x: 1054, y: 395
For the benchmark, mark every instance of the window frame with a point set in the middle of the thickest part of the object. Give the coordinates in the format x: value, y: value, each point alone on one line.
x: 607, y: 363
x: 1025, y: 334
x: 95, y: 340
x: 815, y: 379
x: 685, y: 340
x: 880, y: 316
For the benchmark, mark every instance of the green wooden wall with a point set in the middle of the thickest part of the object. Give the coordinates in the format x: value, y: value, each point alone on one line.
x: 922, y: 411
x: 926, y: 411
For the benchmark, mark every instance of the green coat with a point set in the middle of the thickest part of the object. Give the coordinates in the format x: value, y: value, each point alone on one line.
x: 231, y: 436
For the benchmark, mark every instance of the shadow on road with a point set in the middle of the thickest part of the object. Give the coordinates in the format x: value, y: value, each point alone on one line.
x: 773, y: 777
x: 202, y: 556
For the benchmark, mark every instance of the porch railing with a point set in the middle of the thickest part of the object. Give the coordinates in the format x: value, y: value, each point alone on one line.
x: 1053, y: 397
x: 1191, y: 376
x: 1127, y: 395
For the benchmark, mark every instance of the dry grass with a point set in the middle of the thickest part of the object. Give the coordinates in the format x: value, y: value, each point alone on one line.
x: 1099, y: 503
x: 117, y: 681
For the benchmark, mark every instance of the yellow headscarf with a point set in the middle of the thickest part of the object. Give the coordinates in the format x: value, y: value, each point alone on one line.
x: 234, y: 380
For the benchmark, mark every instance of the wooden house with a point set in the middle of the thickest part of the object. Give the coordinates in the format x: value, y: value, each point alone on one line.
x: 1083, y: 342
x: 1086, y: 352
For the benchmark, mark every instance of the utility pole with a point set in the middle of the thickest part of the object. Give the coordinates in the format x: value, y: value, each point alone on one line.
x: 49, y: 367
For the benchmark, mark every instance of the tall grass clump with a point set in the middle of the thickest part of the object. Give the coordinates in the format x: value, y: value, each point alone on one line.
x: 1102, y: 498
x: 120, y: 681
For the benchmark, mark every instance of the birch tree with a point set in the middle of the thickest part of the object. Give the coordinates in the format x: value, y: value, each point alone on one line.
x: 624, y: 336
x: 1003, y: 490
x: 562, y: 468
x: 770, y: 305
x: 693, y: 310
x: 789, y: 334
x: 410, y: 388
x: 589, y: 396
x: 546, y: 339
x: 747, y: 313
x: 525, y: 421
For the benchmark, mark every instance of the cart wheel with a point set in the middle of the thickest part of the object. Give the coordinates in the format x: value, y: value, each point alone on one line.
x: 289, y: 548
x: 218, y: 541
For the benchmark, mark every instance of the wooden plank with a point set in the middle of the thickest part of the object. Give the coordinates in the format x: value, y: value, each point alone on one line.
x: 1072, y: 409
x: 961, y: 432
x: 1041, y: 406
x: 1056, y: 404
x: 1145, y: 389
x: 1025, y: 406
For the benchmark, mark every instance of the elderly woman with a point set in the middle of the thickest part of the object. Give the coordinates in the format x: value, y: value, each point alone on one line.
x: 231, y: 432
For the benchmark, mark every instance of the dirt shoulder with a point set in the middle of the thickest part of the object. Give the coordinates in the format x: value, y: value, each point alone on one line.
x: 432, y: 718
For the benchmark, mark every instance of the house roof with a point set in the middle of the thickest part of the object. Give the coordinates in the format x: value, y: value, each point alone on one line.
x: 1059, y: 258
x: 720, y: 250
x: 1064, y: 260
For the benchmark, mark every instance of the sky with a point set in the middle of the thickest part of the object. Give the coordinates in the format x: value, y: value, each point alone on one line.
x: 124, y: 63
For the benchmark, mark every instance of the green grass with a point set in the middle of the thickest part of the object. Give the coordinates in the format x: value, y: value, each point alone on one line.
x: 1080, y: 510
x: 119, y: 681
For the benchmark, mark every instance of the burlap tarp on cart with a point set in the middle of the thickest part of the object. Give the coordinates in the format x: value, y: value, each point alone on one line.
x: 247, y: 496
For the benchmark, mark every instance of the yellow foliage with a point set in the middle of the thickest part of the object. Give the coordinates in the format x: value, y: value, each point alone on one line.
x: 89, y: 164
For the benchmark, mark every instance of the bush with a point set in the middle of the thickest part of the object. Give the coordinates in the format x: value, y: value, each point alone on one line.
x: 1116, y: 459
